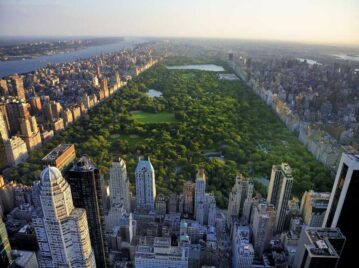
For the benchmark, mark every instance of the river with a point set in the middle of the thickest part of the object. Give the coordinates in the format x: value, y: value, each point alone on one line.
x: 28, y: 65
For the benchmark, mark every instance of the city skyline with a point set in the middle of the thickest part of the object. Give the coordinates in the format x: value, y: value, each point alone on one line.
x: 302, y: 21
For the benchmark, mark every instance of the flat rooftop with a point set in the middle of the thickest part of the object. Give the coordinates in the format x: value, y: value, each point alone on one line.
x: 55, y: 153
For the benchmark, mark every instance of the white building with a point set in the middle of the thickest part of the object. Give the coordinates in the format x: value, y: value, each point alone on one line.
x: 242, y: 249
x: 119, y: 185
x: 145, y: 185
x: 61, y: 229
x: 161, y: 255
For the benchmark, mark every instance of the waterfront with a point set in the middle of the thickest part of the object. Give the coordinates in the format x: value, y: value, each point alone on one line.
x: 28, y: 65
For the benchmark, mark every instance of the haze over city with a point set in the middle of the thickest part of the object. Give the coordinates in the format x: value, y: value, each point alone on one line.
x: 319, y: 21
x: 179, y: 134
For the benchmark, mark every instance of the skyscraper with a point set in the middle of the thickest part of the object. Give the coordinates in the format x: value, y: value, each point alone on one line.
x: 319, y: 247
x: 145, y: 185
x: 242, y: 189
x: 200, y: 189
x: 61, y: 229
x: 279, y: 192
x: 119, y: 185
x: 342, y: 206
x: 313, y: 208
x: 188, y: 197
x: 86, y: 186
x: 5, y: 249
x: 264, y: 215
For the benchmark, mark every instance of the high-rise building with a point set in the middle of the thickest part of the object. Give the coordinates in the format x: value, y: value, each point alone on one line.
x: 173, y: 203
x: 30, y: 133
x: 200, y: 189
x: 279, y: 192
x: 5, y: 249
x: 313, y: 208
x: 119, y: 185
x: 87, y: 192
x: 145, y: 185
x: 62, y: 157
x: 188, y: 197
x: 242, y: 249
x: 16, y: 150
x: 160, y: 204
x: 61, y: 229
x: 212, y: 211
x: 242, y: 189
x: 264, y: 215
x: 342, y: 204
x: 4, y: 90
x: 18, y: 87
x: 319, y: 248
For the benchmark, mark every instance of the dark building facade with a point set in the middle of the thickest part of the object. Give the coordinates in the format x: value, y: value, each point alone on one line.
x: 86, y: 186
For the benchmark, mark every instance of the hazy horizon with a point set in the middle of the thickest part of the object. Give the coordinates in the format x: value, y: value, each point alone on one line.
x: 330, y: 22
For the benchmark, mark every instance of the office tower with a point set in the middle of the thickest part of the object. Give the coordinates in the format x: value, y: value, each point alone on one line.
x: 61, y: 157
x: 86, y: 186
x: 343, y: 202
x: 279, y: 192
x: 4, y: 90
x: 114, y: 216
x: 173, y: 203
x: 264, y: 215
x: 16, y: 150
x: 313, y: 208
x: 161, y: 255
x: 17, y: 84
x: 200, y: 189
x: 160, y: 204
x: 5, y: 249
x: 30, y: 133
x: 242, y: 249
x: 145, y: 185
x: 119, y: 185
x: 200, y: 213
x: 319, y: 248
x: 61, y: 229
x: 212, y: 212
x: 188, y: 196
x: 242, y: 189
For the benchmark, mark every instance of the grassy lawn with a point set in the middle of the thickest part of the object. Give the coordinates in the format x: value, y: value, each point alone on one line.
x: 153, y: 118
x: 131, y: 138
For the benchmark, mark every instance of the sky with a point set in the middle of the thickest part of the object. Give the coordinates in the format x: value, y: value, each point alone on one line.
x: 308, y: 21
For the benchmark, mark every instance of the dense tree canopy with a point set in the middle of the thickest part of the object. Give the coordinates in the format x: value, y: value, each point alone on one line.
x: 212, y: 117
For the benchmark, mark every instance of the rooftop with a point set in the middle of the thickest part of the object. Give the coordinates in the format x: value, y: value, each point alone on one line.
x: 55, y: 153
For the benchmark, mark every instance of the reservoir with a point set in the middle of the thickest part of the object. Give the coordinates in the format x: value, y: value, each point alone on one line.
x: 201, y: 67
x: 28, y: 65
x: 154, y: 93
